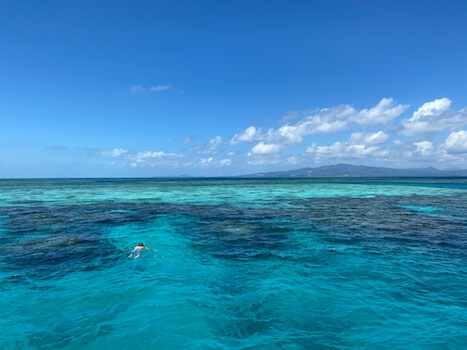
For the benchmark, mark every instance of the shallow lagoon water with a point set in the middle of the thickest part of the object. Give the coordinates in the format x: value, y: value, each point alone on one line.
x: 234, y: 264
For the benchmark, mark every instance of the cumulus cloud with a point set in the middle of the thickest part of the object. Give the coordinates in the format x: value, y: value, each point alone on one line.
x: 398, y: 154
x: 425, y: 148
x: 264, y: 148
x: 433, y: 117
x: 456, y: 143
x: 381, y: 114
x: 270, y: 143
x: 359, y: 145
x: 376, y: 138
x: 249, y: 135
x: 265, y: 153
x: 434, y: 108
x: 362, y: 143
x: 325, y: 121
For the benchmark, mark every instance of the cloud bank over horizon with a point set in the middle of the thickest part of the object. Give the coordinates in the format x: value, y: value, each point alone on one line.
x: 382, y: 135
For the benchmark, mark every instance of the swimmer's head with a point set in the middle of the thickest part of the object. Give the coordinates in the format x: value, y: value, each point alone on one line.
x: 141, y: 244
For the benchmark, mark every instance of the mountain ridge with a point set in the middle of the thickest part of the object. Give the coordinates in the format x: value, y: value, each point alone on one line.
x: 347, y: 170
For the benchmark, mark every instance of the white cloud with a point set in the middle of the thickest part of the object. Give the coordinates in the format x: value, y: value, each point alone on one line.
x: 361, y: 151
x: 161, y: 87
x: 113, y: 153
x: 151, y: 159
x: 265, y: 153
x: 376, y: 138
x: 425, y: 148
x: 149, y: 154
x: 264, y: 148
x: 154, y: 88
x: 289, y: 115
x: 360, y: 145
x: 456, y: 143
x: 137, y: 157
x: 423, y: 153
x: 214, y: 143
x: 398, y: 154
x: 343, y: 150
x: 433, y: 117
x: 225, y: 162
x: 293, y: 160
x: 146, y: 159
x: 381, y: 114
x: 289, y: 134
x: 325, y: 121
x: 365, y: 145
x: 211, y: 147
x: 211, y: 162
x: 249, y: 135
x: 206, y: 161
x: 433, y: 108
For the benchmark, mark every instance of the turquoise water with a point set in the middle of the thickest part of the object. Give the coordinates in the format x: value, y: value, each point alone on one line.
x: 234, y: 264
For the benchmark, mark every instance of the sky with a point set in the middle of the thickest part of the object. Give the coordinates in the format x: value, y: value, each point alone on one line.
x: 222, y: 88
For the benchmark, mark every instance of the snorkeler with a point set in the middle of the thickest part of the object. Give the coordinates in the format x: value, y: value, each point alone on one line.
x: 137, y: 250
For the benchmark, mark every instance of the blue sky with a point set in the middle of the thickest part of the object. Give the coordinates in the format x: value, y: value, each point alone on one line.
x: 213, y: 88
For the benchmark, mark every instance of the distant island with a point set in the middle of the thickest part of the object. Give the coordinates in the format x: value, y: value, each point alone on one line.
x: 346, y: 170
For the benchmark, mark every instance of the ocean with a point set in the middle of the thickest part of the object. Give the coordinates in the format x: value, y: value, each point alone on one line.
x: 317, y: 263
